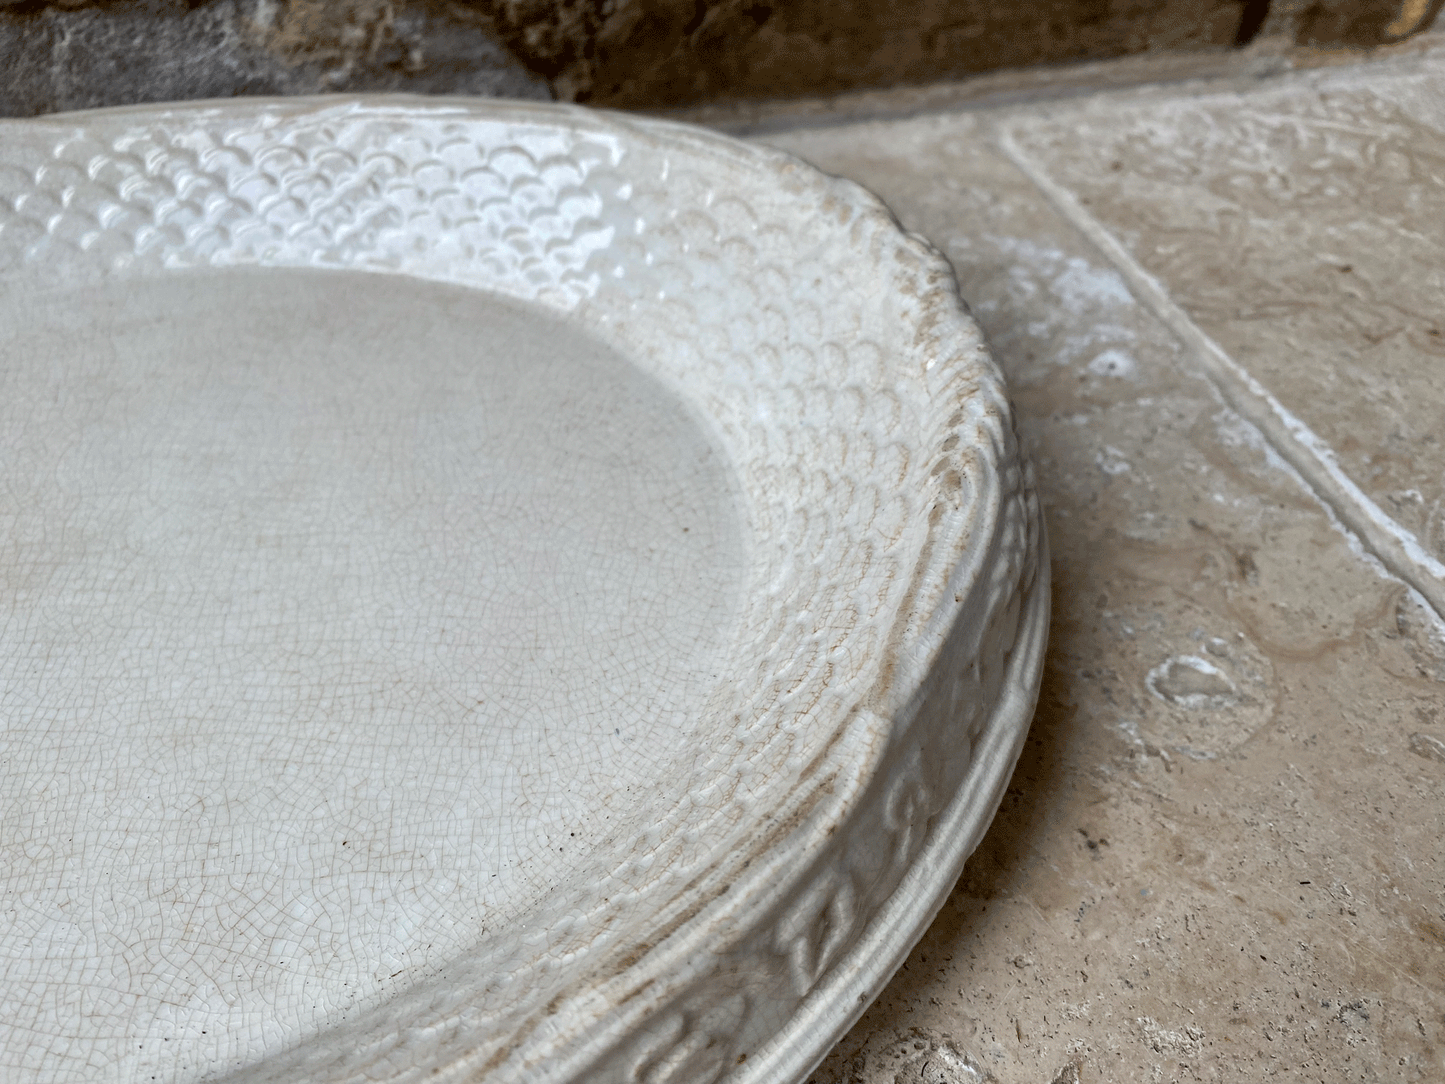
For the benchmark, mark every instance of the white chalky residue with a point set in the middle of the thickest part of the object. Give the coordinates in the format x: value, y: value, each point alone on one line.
x: 1190, y: 682
x: 1111, y: 461
x: 1114, y: 362
x: 1075, y: 287
x: 1083, y: 287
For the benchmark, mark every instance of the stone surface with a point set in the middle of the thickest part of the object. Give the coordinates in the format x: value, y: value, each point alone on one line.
x: 1350, y: 23
x: 139, y: 51
x: 1219, y: 858
x: 676, y: 52
x: 70, y: 54
x: 1301, y: 228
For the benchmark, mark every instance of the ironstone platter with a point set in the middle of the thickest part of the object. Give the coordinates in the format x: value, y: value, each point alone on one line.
x: 487, y: 592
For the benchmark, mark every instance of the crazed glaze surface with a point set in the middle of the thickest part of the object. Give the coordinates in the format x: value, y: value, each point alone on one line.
x: 868, y: 545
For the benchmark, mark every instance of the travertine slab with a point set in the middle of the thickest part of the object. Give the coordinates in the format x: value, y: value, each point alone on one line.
x: 1219, y: 858
x: 1302, y: 227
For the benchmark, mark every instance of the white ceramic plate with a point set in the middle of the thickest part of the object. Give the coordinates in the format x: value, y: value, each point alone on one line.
x: 487, y: 592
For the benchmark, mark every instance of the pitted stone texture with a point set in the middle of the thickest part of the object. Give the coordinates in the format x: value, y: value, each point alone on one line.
x: 75, y: 54
x: 1219, y: 856
x: 64, y: 57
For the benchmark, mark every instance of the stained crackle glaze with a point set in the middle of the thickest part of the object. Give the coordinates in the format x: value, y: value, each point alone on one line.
x: 490, y: 592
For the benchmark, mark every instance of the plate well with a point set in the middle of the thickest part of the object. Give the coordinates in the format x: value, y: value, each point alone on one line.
x: 345, y: 613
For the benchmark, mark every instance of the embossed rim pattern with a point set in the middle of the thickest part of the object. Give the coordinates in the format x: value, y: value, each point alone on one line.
x: 900, y: 573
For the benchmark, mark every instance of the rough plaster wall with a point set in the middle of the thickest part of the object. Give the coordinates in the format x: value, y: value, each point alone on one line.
x: 675, y: 52
x: 75, y: 54
x: 132, y: 51
x: 1349, y: 23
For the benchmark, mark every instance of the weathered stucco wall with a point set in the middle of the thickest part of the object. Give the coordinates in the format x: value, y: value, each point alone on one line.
x: 682, y: 51
x: 70, y: 54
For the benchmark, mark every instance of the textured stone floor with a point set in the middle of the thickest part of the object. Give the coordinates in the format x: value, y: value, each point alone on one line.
x: 1222, y: 310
